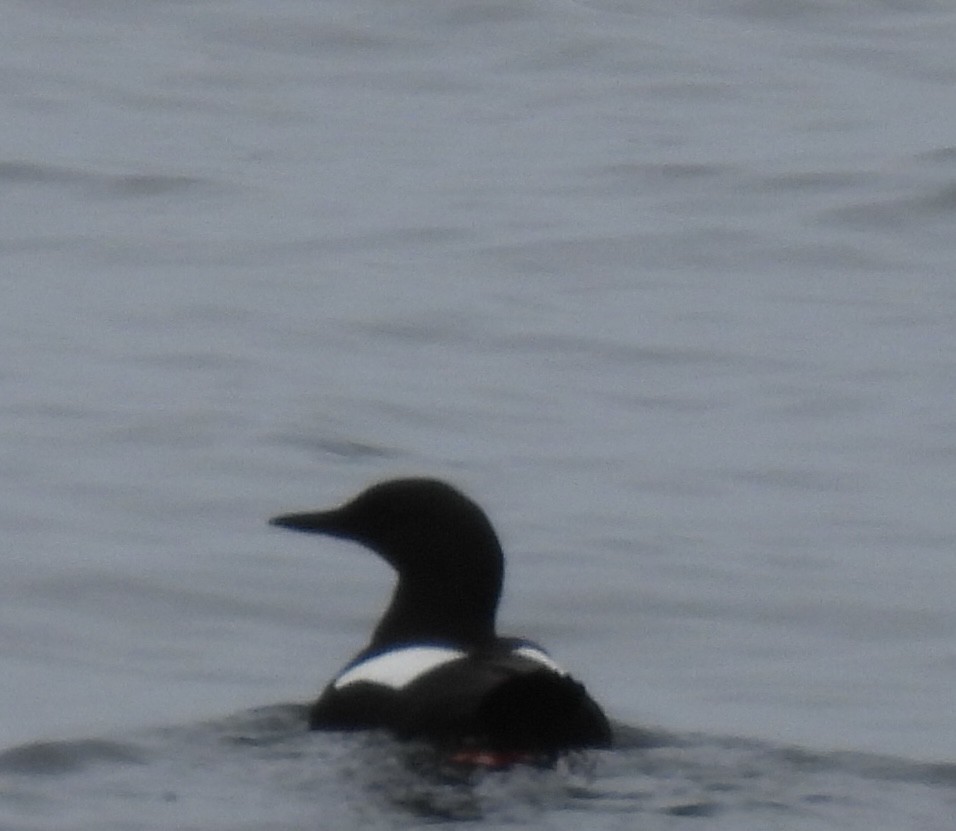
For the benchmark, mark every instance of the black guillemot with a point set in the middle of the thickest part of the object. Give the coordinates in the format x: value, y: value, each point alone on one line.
x: 435, y: 669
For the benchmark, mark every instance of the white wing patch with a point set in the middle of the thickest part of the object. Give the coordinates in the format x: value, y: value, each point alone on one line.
x: 532, y: 653
x: 398, y: 668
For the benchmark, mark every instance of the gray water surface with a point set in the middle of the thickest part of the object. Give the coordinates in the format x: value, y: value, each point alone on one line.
x: 668, y: 290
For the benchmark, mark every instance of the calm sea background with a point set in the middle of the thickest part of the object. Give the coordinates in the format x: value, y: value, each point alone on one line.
x: 668, y: 288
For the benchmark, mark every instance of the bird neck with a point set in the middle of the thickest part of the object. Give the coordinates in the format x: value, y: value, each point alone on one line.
x: 422, y: 613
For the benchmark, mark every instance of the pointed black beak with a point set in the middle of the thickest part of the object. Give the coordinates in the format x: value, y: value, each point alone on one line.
x: 313, y: 522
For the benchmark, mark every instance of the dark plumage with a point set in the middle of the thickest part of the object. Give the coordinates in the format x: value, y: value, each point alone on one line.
x: 435, y: 668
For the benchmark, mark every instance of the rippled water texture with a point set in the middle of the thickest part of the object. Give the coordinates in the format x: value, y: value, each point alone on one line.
x: 667, y: 288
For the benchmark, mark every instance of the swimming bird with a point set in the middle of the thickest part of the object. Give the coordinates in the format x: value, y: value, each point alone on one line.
x: 435, y: 668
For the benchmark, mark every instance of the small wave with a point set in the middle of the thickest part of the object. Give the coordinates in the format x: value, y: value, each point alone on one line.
x: 97, y: 183
x: 57, y: 757
x: 934, y: 205
x: 699, y: 775
x: 263, y: 767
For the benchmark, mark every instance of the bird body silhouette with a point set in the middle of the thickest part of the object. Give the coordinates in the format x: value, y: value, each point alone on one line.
x: 435, y: 668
